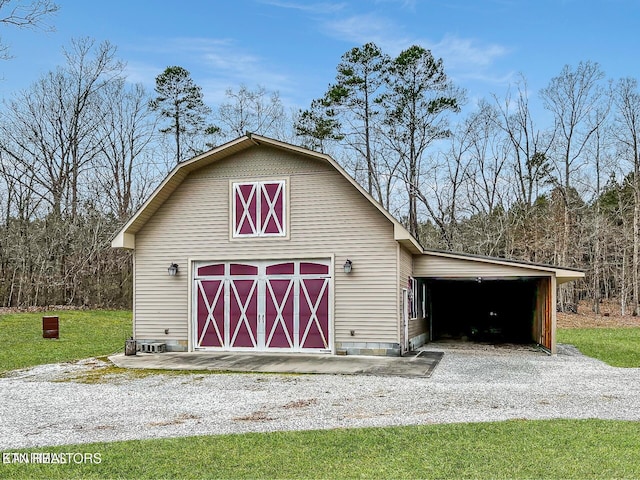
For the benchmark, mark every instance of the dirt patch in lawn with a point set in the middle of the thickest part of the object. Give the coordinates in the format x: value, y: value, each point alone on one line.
x: 609, y: 317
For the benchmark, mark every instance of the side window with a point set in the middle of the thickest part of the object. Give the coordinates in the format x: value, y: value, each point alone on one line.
x: 415, y: 298
x: 259, y: 209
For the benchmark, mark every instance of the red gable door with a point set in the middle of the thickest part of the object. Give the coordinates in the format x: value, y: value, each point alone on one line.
x: 272, y: 208
x: 245, y: 209
x: 259, y: 209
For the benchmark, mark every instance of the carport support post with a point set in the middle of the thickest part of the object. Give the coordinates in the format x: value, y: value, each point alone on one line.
x: 553, y: 313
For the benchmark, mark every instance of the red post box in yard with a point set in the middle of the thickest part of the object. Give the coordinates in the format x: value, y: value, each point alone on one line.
x: 50, y: 327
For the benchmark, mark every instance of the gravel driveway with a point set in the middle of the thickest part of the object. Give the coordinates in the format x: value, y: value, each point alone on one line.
x: 468, y: 386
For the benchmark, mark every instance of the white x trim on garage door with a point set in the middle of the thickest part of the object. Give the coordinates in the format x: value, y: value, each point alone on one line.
x: 266, y: 305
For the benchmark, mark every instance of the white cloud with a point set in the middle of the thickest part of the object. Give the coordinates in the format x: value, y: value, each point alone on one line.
x: 390, y: 36
x: 468, y: 60
x: 214, y: 64
x: 461, y: 52
x: 361, y: 29
x: 405, y: 4
x: 140, y: 72
x: 464, y: 58
x: 323, y: 8
x: 488, y: 79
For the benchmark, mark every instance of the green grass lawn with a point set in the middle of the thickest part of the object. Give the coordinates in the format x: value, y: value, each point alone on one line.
x: 619, y: 347
x: 83, y: 334
x: 515, y: 449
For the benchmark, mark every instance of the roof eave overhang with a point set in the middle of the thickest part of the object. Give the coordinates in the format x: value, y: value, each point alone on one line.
x: 562, y: 275
x: 404, y: 238
x: 124, y: 240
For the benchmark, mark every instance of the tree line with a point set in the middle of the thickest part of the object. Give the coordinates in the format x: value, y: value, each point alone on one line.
x: 82, y: 148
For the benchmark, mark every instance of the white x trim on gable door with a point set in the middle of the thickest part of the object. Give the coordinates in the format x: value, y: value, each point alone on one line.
x: 263, y: 305
x: 259, y: 209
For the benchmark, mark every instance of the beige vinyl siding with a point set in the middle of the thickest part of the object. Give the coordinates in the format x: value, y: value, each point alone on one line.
x: 447, y: 267
x: 417, y: 327
x: 328, y: 218
x: 406, y: 266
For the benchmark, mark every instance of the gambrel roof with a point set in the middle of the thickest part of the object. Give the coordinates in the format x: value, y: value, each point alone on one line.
x: 125, y: 238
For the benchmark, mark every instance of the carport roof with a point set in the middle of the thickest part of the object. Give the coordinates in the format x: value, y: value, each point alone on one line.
x: 562, y: 274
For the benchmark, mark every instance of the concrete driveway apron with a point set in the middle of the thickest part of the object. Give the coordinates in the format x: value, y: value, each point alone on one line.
x: 414, y: 364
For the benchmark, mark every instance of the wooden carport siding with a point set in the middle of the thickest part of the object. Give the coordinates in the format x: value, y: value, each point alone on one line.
x: 545, y: 313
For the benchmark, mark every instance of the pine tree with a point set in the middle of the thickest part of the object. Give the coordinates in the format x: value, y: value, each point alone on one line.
x: 180, y: 101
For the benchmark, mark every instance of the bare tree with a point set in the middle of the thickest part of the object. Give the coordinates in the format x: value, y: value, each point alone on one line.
x: 51, y: 129
x: 443, y: 194
x: 488, y: 186
x: 530, y: 145
x: 573, y: 97
x: 21, y: 14
x: 255, y: 111
x: 627, y: 120
x: 127, y: 130
x: 595, y: 227
x: 52, y: 138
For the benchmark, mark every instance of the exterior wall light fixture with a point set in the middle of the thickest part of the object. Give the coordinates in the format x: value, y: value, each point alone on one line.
x: 173, y: 269
x: 347, y: 266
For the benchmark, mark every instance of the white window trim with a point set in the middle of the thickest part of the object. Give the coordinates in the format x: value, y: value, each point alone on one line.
x: 259, y: 228
x: 414, y: 298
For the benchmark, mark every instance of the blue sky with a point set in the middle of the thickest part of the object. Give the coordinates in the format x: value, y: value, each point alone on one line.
x: 293, y: 46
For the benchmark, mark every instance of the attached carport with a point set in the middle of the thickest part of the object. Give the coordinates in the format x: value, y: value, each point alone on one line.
x: 485, y: 299
x: 495, y: 310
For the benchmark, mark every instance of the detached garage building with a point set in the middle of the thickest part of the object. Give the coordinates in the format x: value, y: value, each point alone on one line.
x: 259, y: 245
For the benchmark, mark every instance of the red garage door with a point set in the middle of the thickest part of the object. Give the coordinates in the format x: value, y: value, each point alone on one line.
x: 262, y: 306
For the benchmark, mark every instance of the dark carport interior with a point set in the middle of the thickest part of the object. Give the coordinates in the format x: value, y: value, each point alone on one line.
x: 494, y: 310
